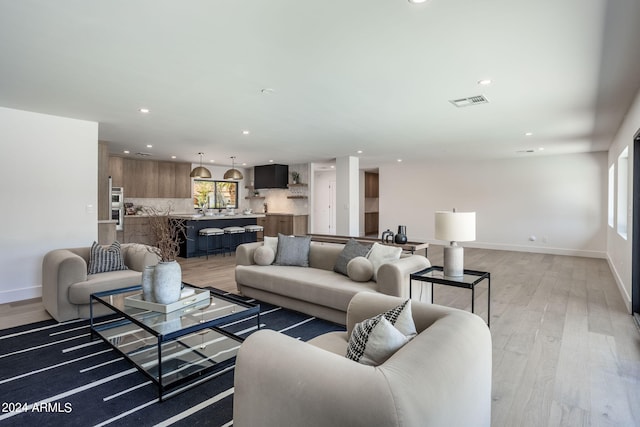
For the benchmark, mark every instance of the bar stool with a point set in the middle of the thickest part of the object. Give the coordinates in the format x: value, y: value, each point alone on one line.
x: 251, y: 232
x: 233, y: 237
x: 207, y: 232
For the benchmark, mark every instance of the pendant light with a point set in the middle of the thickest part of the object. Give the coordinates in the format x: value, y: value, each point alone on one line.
x: 200, y: 171
x: 233, y: 173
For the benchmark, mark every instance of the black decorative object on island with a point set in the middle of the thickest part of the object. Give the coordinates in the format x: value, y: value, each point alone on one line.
x: 401, y: 236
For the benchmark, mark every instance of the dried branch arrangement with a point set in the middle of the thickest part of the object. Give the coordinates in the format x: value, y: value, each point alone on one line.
x: 167, y: 232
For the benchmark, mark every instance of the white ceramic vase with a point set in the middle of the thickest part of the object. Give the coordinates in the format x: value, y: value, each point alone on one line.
x: 167, y: 282
x: 147, y: 283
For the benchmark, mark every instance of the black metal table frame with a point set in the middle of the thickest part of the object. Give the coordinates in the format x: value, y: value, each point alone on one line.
x: 192, y: 379
x: 482, y: 275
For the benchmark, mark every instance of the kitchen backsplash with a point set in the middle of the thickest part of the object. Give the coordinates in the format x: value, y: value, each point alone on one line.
x: 176, y: 205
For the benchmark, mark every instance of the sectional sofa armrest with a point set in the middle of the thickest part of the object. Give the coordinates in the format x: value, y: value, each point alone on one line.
x: 282, y: 381
x: 138, y: 256
x: 60, y: 269
x: 393, y: 277
x: 244, y: 253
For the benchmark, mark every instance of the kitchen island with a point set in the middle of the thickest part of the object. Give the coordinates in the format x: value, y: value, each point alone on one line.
x: 192, y: 246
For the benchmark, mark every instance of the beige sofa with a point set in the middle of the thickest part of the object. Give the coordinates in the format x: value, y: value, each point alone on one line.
x: 66, y: 286
x: 317, y: 290
x: 441, y: 378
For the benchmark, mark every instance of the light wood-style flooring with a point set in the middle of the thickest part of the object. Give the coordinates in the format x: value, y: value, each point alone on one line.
x: 565, y: 350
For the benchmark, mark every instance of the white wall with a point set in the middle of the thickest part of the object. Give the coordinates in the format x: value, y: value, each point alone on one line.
x: 561, y: 200
x: 619, y: 250
x: 52, y: 206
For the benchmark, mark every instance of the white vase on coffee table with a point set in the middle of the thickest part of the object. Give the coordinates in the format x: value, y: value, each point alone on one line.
x: 167, y: 282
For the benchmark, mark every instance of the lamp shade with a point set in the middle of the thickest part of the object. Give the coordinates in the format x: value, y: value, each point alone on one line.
x: 200, y: 172
x: 233, y: 174
x: 456, y: 226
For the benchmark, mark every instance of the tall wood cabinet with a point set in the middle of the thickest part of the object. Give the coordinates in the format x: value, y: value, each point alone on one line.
x: 150, y: 178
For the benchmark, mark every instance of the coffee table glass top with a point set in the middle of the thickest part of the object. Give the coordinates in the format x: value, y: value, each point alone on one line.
x: 177, y: 349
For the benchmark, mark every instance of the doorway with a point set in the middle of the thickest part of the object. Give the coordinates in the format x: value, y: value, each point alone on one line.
x: 635, y: 242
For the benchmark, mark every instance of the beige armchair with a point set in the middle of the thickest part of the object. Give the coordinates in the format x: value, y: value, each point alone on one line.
x: 441, y: 378
x: 66, y: 286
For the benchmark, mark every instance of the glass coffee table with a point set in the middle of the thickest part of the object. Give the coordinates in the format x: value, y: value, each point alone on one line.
x: 177, y: 349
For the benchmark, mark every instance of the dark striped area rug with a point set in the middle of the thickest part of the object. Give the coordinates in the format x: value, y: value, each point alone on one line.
x: 51, y: 374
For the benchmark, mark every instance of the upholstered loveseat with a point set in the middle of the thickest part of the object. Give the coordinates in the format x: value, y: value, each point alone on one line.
x: 67, y: 287
x: 441, y: 378
x: 318, y: 290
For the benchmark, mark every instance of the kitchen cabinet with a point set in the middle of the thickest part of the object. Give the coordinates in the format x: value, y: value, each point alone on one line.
x: 286, y: 224
x: 140, y: 178
x: 116, y: 171
x: 371, y: 185
x: 166, y: 179
x: 137, y: 229
x: 150, y: 178
x: 183, y: 181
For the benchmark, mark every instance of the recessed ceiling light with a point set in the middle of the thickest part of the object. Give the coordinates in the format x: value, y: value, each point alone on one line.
x: 528, y: 134
x: 484, y: 82
x: 270, y: 161
x: 211, y: 161
x: 399, y: 160
x: 244, y: 164
x: 149, y: 146
x: 417, y: 1
x: 541, y: 149
x: 332, y: 167
x: 359, y: 151
x: 173, y: 157
x: 245, y: 132
x: 126, y: 151
x: 143, y: 110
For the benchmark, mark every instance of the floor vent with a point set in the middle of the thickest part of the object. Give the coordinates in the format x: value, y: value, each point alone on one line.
x: 472, y: 100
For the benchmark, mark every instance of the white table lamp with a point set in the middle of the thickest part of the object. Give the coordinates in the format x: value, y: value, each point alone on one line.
x: 455, y: 227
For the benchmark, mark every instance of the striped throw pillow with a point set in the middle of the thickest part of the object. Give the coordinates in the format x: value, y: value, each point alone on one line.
x: 102, y: 259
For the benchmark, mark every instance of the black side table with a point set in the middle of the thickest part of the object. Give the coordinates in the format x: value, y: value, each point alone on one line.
x: 469, y: 280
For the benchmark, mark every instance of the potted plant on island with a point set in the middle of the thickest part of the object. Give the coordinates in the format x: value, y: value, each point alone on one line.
x: 168, y: 234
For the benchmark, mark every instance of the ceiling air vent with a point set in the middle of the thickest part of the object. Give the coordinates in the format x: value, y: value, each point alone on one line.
x: 144, y: 154
x: 472, y: 100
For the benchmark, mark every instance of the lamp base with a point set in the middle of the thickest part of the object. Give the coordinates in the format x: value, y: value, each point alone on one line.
x: 453, y: 260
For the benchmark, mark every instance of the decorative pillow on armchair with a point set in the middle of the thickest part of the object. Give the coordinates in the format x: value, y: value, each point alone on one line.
x: 374, y: 340
x: 102, y: 259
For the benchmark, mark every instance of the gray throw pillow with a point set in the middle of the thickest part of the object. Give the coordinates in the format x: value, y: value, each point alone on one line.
x: 351, y: 249
x: 102, y: 260
x: 293, y: 250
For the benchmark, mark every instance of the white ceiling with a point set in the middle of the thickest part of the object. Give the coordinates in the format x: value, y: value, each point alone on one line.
x: 347, y: 75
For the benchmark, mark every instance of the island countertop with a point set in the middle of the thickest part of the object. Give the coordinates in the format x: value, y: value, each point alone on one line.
x: 200, y: 217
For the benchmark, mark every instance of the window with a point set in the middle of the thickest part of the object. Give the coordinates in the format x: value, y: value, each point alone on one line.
x: 623, y: 178
x: 610, y: 215
x: 215, y: 194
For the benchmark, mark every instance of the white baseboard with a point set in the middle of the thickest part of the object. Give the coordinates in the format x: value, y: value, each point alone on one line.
x: 20, y: 294
x: 532, y: 249
x: 623, y: 291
